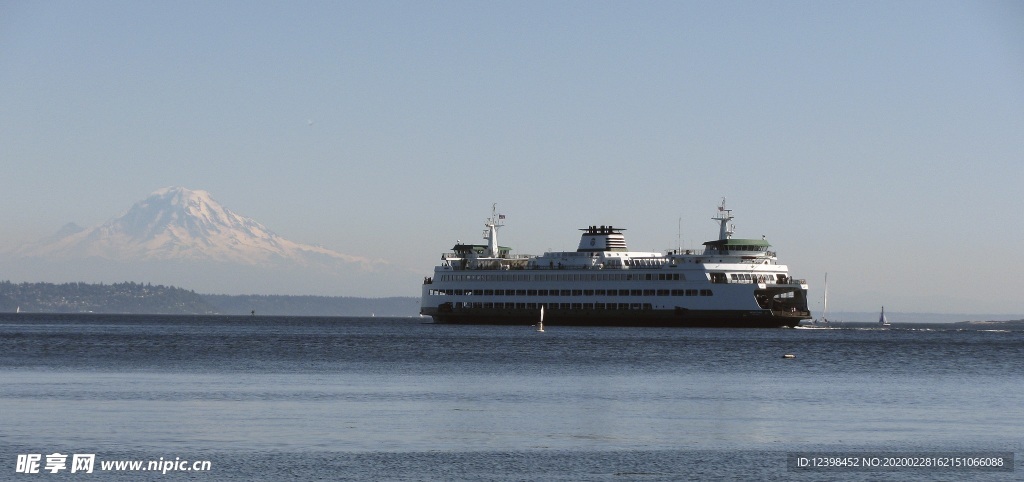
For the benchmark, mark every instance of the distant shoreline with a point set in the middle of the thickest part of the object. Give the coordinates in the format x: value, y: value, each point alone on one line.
x: 898, y: 317
x: 145, y: 298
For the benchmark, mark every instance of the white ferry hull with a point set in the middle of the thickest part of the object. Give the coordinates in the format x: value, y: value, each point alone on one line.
x: 711, y: 306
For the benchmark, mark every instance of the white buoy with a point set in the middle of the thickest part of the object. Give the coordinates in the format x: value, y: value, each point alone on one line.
x: 540, y: 324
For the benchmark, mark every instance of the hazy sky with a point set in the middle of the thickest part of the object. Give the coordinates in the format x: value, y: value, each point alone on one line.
x: 881, y: 142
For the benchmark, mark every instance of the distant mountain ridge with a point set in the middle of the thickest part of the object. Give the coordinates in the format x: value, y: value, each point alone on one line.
x: 176, y: 223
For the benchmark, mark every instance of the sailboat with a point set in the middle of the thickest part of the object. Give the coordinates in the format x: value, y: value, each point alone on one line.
x: 540, y: 324
x: 822, y: 322
x: 824, y: 308
x: 881, y: 319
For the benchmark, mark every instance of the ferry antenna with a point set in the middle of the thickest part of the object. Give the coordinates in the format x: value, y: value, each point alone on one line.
x: 679, y: 236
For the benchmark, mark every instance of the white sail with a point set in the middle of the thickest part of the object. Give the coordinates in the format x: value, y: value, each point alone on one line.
x: 824, y: 309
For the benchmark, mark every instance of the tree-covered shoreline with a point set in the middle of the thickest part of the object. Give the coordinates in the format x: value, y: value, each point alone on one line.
x: 146, y: 298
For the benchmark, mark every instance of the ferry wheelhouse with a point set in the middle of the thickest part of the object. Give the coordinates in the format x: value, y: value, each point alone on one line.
x: 731, y: 283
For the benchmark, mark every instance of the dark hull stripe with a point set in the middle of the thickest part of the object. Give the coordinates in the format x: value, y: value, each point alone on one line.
x: 684, y: 318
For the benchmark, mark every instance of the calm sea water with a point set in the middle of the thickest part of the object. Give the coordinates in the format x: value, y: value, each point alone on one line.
x: 270, y: 398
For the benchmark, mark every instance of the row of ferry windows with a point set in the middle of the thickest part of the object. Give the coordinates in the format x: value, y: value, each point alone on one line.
x: 558, y: 306
x: 565, y: 277
x: 478, y: 292
x: 738, y: 247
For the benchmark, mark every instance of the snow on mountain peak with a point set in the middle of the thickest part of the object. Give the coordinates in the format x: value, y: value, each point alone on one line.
x: 176, y: 223
x: 186, y: 214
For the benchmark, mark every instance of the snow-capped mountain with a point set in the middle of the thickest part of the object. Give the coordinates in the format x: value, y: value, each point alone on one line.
x: 178, y: 224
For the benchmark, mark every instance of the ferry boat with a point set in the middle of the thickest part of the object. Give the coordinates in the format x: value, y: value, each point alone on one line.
x: 730, y: 283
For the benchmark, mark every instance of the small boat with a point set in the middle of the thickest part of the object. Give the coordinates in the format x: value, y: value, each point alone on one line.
x: 882, y: 321
x: 824, y: 309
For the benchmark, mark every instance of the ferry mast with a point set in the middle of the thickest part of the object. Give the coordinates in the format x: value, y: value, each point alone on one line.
x: 723, y: 217
x: 491, y: 233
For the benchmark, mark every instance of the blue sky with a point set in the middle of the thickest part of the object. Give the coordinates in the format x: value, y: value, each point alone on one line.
x: 881, y: 142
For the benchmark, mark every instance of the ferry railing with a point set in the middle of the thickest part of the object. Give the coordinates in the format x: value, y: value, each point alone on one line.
x: 511, y: 256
